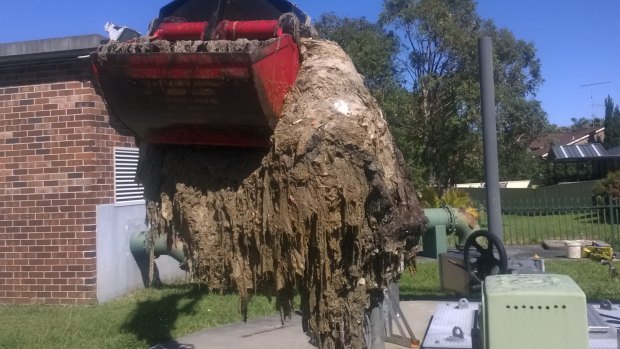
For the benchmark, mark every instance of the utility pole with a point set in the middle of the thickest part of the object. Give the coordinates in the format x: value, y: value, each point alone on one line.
x: 489, y: 123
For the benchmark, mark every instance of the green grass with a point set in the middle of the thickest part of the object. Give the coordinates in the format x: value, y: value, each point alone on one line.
x: 533, y: 229
x: 591, y: 276
x: 522, y: 229
x: 141, y: 320
x: 423, y: 284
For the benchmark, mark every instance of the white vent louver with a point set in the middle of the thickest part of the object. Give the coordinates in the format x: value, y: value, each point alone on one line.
x: 126, y: 190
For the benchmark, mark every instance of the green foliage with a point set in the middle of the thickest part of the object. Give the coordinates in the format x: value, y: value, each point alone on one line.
x: 608, y: 187
x: 457, y: 198
x: 612, y: 124
x: 518, y: 163
x: 440, y: 56
x: 520, y: 117
x: 452, y: 197
x: 433, y: 56
x: 429, y: 198
x: 582, y: 122
x: 421, y: 62
x: 371, y: 48
x: 399, y: 108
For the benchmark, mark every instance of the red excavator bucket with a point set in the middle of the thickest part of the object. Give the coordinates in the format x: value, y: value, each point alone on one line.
x: 227, y: 90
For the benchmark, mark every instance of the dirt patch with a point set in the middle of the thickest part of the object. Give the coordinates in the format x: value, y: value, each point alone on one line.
x: 327, y: 210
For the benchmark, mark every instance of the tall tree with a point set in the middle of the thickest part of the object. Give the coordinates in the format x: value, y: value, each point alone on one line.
x: 434, y: 56
x: 581, y: 122
x: 439, y: 54
x: 611, y: 123
x: 421, y: 62
x: 520, y: 116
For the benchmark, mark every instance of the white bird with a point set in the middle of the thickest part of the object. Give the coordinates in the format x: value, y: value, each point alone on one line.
x: 118, y: 33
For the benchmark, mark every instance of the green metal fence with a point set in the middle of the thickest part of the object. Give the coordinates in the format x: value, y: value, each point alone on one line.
x: 530, y: 221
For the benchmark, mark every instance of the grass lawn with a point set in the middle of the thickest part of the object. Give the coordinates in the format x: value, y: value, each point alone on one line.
x: 591, y: 276
x: 149, y: 317
x: 140, y: 320
x: 522, y: 229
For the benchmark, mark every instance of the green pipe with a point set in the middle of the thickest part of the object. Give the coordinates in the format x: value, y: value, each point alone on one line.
x: 140, y: 245
x: 456, y: 221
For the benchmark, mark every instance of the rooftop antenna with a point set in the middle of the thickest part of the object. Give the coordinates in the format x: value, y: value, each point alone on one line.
x: 592, y: 99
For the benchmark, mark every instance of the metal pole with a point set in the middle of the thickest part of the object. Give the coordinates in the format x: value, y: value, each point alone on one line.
x: 612, y: 218
x: 489, y: 129
x: 377, y: 328
x: 377, y: 320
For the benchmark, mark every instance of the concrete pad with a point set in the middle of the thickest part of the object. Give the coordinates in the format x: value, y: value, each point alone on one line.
x: 418, y: 315
x: 529, y: 251
x: 558, y: 245
x: 269, y: 333
x: 259, y: 333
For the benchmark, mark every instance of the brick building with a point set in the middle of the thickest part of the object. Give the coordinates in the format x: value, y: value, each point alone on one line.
x: 57, y: 147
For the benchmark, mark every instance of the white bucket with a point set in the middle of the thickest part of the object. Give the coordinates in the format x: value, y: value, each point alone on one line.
x: 573, y: 249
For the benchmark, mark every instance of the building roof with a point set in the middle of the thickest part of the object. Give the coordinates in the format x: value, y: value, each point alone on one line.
x: 577, y: 152
x: 58, y: 48
x: 541, y: 146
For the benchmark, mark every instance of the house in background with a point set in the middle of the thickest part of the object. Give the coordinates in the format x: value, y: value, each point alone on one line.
x: 68, y: 201
x: 542, y: 145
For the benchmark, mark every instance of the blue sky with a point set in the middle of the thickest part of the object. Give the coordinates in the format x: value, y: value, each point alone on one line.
x: 578, y: 41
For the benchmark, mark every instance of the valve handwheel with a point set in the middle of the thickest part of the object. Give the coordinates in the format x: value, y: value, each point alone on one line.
x: 484, y: 255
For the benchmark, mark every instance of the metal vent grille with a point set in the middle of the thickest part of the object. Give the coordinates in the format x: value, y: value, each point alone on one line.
x: 126, y: 190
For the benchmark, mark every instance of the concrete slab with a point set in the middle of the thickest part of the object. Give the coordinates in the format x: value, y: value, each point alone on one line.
x: 418, y: 314
x: 259, y: 333
x: 269, y: 333
x: 528, y: 251
x: 521, y: 251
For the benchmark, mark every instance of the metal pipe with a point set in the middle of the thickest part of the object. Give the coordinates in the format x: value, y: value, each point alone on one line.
x: 140, y: 244
x: 180, y: 31
x: 251, y: 30
x: 377, y: 321
x: 489, y: 130
x: 225, y: 30
x: 456, y: 221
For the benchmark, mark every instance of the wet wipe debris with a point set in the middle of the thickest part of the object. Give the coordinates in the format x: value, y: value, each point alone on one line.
x: 327, y: 211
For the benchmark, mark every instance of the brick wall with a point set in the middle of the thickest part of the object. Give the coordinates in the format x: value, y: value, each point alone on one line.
x: 56, y: 166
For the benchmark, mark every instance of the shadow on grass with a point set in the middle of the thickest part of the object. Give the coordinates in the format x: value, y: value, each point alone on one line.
x: 152, y: 321
x: 421, y: 293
